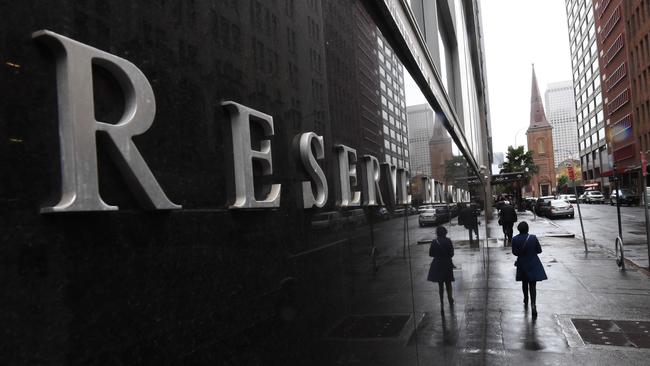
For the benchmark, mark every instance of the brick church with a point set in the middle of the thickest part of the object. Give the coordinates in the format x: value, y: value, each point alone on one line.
x: 540, y: 141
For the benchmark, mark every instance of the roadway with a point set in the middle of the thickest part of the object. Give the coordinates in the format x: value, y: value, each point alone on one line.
x: 601, y: 227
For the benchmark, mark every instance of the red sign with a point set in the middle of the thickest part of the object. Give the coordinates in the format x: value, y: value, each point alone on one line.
x: 644, y: 164
x: 572, y: 174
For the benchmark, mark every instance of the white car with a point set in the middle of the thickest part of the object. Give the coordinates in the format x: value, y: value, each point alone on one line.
x: 592, y: 197
x: 571, y: 198
x: 427, y: 217
x: 560, y: 208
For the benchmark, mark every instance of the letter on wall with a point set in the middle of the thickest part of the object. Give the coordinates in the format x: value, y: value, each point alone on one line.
x: 372, y: 191
x: 426, y: 189
x: 404, y: 198
x: 240, y: 120
x: 307, y: 141
x: 389, y: 174
x: 347, y: 158
x: 78, y: 127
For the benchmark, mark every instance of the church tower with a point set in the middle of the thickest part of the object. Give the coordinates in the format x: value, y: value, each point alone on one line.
x: 540, y: 141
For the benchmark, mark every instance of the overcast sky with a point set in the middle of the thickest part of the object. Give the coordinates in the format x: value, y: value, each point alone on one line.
x: 517, y: 33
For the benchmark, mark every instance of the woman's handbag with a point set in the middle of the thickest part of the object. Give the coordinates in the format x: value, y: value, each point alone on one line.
x: 522, y: 250
x: 500, y: 222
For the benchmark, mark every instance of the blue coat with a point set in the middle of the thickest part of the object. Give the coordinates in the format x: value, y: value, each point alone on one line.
x: 529, y: 267
x: 441, y: 269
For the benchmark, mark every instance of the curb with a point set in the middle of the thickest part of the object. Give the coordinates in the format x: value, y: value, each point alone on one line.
x: 565, y: 233
x: 637, y: 267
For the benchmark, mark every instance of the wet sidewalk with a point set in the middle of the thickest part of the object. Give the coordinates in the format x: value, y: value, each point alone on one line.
x: 590, y: 312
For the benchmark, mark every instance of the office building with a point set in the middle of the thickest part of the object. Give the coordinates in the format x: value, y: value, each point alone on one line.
x: 590, y: 119
x: 613, y: 45
x: 421, y: 121
x: 231, y: 215
x: 561, y: 114
x: 393, y: 105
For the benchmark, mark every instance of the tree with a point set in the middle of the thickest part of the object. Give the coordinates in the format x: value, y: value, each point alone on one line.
x: 519, y: 161
x: 455, y: 168
x: 562, y: 180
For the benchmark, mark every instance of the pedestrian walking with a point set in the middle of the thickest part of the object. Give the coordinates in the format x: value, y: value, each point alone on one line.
x: 529, y: 267
x: 467, y: 217
x: 507, y: 218
x: 441, y: 270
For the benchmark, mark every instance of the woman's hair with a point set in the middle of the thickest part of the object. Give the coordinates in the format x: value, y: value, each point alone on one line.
x: 441, y: 231
x: 523, y: 227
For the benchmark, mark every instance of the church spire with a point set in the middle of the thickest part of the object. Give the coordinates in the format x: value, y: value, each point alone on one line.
x: 537, y: 115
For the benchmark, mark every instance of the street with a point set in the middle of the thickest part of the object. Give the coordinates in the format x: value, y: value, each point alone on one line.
x: 488, y: 324
x: 601, y: 227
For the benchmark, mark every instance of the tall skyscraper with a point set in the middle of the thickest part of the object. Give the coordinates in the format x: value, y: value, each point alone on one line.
x: 587, y: 91
x: 393, y: 105
x: 561, y: 114
x: 421, y: 120
x: 499, y: 159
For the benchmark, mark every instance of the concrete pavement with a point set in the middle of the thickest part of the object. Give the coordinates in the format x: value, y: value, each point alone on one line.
x: 488, y: 324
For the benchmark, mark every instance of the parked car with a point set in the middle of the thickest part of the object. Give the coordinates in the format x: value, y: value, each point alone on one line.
x: 445, y: 212
x: 592, y: 197
x: 529, y: 202
x: 625, y: 196
x: 560, y: 208
x: 543, y: 205
x: 571, y: 198
x: 428, y: 216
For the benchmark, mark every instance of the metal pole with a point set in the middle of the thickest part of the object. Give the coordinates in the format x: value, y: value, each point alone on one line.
x: 406, y: 229
x: 645, y: 201
x: 647, y: 220
x: 618, y: 204
x: 575, y: 192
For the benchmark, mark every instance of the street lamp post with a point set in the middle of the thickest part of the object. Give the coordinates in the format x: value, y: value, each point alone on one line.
x: 517, y: 133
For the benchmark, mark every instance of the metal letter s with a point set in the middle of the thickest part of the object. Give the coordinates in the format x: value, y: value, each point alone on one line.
x: 307, y: 140
x: 78, y: 127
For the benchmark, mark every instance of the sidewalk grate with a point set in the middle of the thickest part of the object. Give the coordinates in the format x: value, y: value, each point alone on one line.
x: 610, y: 332
x: 370, y: 326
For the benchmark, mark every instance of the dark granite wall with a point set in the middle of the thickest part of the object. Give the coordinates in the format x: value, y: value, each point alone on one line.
x: 203, y: 284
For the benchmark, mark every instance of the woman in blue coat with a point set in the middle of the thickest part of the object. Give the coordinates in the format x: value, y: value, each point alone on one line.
x: 529, y: 267
x: 442, y: 268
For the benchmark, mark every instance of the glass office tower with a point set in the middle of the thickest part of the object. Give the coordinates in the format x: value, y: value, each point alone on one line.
x: 208, y: 182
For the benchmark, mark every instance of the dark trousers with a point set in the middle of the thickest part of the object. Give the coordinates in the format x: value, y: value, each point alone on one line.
x: 471, y: 237
x: 529, y: 287
x: 507, y: 230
